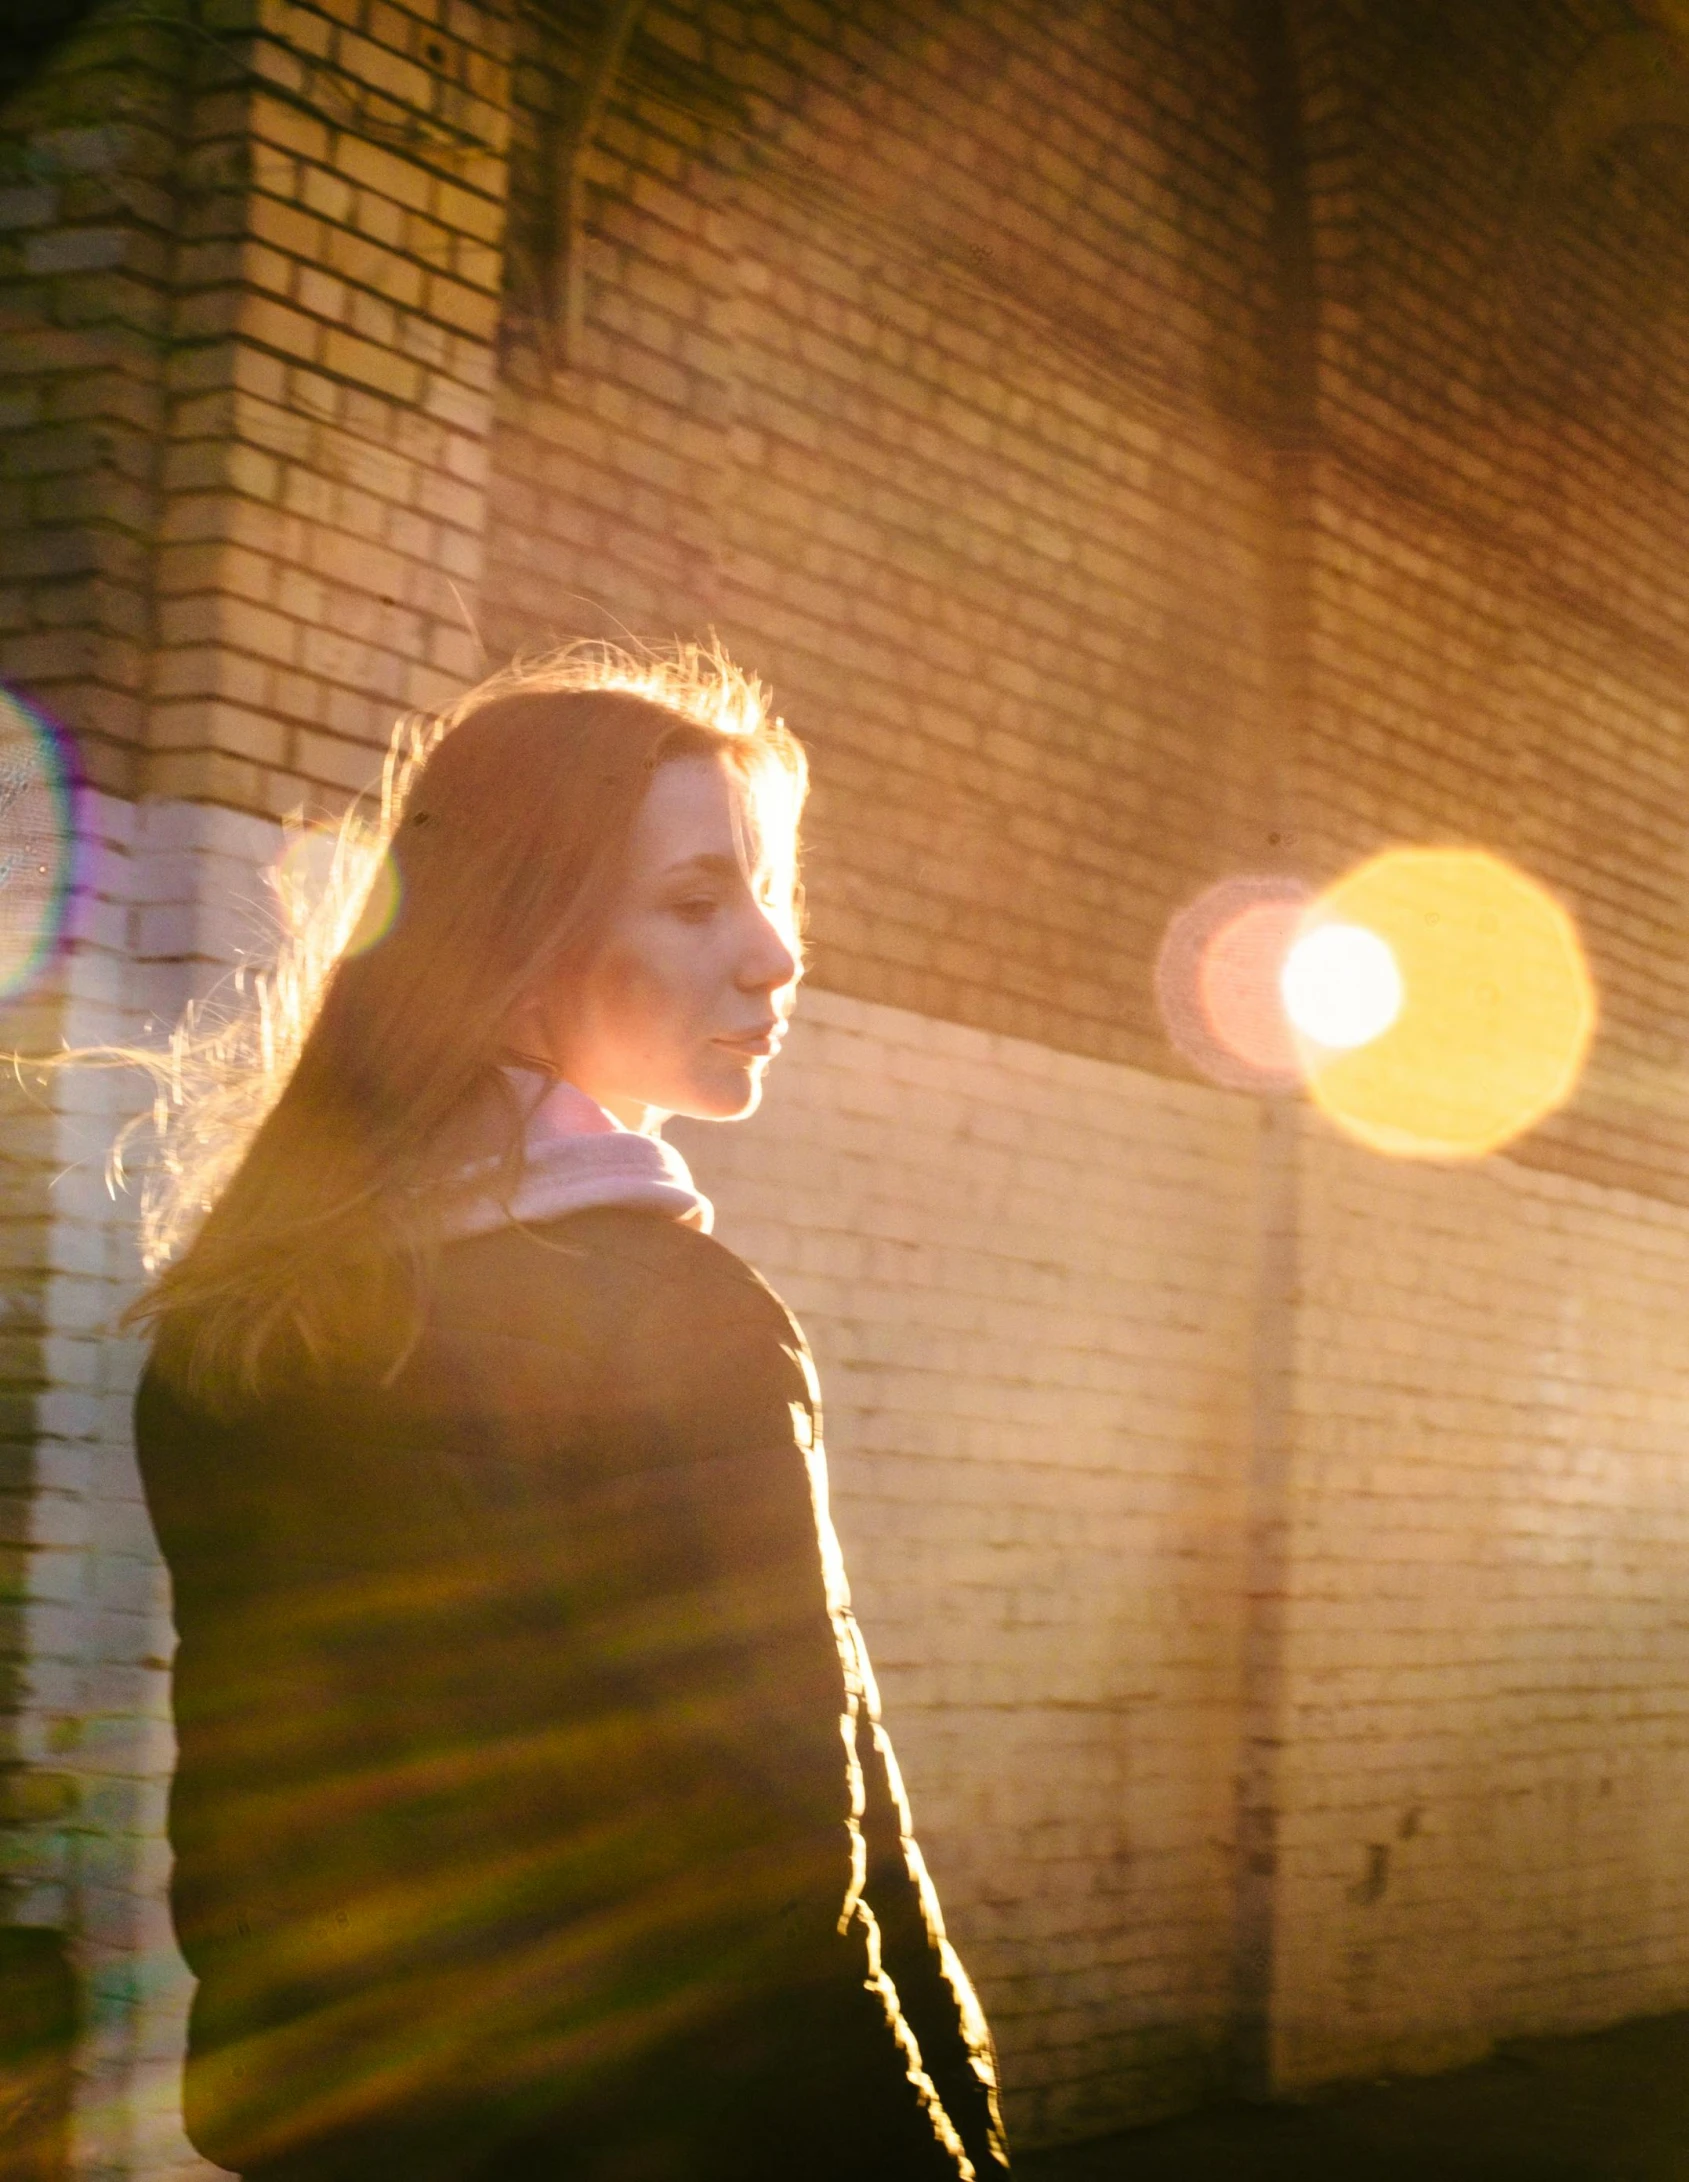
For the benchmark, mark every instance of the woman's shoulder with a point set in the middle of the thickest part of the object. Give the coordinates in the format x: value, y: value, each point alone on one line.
x: 613, y: 1313
x: 604, y: 1310
x: 612, y: 1248
x: 615, y: 1279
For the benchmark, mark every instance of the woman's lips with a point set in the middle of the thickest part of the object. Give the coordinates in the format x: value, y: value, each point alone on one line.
x: 760, y: 1043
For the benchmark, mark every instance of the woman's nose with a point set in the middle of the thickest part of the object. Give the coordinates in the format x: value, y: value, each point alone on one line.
x: 771, y: 960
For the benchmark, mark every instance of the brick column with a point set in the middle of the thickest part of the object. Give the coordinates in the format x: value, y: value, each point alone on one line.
x: 89, y: 155
x: 89, y: 152
x: 253, y: 256
x: 330, y: 389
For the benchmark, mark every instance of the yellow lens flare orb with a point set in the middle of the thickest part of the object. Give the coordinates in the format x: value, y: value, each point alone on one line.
x: 1443, y: 1002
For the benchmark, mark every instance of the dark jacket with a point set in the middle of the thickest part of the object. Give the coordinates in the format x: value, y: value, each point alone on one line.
x: 532, y: 1815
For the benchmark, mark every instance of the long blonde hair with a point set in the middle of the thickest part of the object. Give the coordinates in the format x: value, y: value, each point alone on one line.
x: 298, y: 1120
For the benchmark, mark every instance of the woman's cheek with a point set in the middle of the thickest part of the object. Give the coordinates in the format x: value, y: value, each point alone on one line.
x: 622, y: 1007
x: 662, y: 994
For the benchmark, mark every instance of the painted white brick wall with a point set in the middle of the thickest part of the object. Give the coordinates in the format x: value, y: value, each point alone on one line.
x: 1486, y: 1781
x: 1028, y: 1279
x: 173, y: 895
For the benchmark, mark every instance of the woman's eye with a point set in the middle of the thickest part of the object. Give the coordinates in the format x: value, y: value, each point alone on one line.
x: 696, y: 908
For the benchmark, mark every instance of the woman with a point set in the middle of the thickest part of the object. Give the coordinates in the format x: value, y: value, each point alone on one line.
x: 532, y: 1816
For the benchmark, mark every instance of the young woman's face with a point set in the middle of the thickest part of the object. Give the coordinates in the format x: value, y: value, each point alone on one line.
x: 685, y: 1002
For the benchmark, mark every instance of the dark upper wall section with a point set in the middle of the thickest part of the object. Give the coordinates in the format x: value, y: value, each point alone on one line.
x: 1139, y: 439
x: 34, y: 28
x: 1501, y: 622
x: 926, y: 357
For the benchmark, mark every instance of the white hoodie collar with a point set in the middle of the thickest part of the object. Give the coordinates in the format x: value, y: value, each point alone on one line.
x: 575, y: 1158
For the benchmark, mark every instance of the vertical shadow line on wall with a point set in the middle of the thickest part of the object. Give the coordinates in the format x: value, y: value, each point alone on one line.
x: 565, y: 296
x: 1269, y: 37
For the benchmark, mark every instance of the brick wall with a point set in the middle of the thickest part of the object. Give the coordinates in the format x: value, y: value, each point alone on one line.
x: 1500, y: 643
x: 1485, y: 1696
x: 919, y: 359
x: 1140, y: 440
x: 250, y: 263
x: 88, y: 213
x: 334, y: 315
x: 1480, y: 1485
x: 252, y: 257
x: 169, y: 897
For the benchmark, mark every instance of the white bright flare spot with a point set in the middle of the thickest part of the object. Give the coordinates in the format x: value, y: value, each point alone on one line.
x: 1341, y: 986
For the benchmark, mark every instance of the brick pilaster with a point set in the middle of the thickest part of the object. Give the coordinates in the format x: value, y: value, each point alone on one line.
x: 329, y: 391
x: 88, y: 161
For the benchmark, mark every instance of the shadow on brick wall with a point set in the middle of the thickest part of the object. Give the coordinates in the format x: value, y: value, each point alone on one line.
x: 38, y: 2023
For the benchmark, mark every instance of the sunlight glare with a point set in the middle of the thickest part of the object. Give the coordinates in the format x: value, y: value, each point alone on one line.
x: 1341, y: 986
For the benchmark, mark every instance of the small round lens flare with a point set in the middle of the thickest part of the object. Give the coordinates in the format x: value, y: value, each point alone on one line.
x: 1240, y: 986
x: 1341, y: 986
x: 1217, y: 982
x: 302, y: 873
x: 317, y: 863
x: 1482, y: 1031
x: 38, y: 841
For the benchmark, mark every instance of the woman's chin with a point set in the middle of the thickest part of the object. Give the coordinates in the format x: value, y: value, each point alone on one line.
x: 730, y: 1093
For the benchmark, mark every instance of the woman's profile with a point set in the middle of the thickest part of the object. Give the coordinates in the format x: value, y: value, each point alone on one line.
x: 533, y: 1815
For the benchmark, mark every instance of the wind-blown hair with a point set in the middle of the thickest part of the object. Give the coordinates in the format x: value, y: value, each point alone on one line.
x: 304, y: 1123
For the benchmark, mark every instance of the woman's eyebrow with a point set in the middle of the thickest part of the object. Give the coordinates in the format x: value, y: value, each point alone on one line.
x: 709, y: 863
